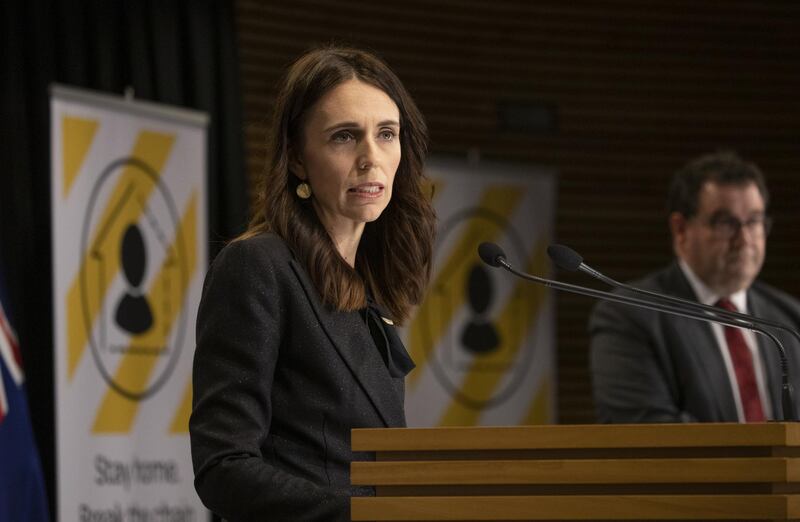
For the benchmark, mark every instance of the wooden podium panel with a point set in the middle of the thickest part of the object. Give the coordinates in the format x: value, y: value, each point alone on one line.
x: 593, y: 472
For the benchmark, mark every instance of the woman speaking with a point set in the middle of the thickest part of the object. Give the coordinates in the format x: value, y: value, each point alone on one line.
x: 295, y: 338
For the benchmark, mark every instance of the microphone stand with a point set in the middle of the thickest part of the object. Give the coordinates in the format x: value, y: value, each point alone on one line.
x: 745, y: 318
x: 787, y: 398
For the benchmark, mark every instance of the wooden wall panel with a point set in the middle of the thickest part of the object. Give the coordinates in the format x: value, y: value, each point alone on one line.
x: 639, y: 87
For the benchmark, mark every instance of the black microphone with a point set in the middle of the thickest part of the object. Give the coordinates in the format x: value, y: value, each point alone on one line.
x: 493, y: 255
x: 567, y: 259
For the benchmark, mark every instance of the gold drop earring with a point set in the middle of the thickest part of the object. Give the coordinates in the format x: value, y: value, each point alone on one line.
x: 303, y: 190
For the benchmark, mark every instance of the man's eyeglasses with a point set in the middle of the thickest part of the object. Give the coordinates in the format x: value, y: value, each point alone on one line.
x: 726, y: 227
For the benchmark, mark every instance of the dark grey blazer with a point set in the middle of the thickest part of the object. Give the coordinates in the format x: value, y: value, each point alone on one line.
x: 649, y: 367
x: 279, y: 381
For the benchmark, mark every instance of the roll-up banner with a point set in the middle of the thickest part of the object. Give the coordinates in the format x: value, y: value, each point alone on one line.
x: 484, y: 341
x: 129, y: 255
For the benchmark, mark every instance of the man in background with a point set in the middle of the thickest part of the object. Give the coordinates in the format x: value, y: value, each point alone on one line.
x: 651, y: 367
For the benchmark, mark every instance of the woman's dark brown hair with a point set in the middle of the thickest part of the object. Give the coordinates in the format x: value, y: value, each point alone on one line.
x: 394, y: 256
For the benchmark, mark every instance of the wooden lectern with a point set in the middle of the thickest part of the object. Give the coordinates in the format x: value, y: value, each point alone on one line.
x: 593, y: 472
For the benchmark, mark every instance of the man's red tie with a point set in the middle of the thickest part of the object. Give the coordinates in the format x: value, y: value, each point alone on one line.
x: 743, y: 366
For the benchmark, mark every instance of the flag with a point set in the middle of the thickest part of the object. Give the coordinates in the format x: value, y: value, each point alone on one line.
x: 22, y: 493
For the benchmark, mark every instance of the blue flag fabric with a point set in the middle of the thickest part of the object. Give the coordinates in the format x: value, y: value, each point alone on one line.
x: 22, y: 492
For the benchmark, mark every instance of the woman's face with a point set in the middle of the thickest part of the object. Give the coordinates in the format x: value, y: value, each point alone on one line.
x: 350, y: 155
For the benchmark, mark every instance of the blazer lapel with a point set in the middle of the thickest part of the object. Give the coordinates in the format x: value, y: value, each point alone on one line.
x: 769, y: 356
x: 699, y: 339
x: 350, y: 336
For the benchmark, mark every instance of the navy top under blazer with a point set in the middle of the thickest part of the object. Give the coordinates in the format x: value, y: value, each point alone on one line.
x: 279, y: 381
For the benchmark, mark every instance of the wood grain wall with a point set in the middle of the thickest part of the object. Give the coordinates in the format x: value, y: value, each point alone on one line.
x: 638, y: 87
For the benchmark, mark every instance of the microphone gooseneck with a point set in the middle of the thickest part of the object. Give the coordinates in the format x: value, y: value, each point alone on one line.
x: 494, y: 256
x: 560, y: 258
x: 564, y: 257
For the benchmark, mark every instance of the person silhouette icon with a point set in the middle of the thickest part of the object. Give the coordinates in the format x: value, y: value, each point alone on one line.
x: 133, y: 311
x: 479, y: 336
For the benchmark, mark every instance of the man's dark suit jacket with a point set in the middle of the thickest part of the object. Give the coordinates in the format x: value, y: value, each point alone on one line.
x: 279, y: 381
x: 650, y: 367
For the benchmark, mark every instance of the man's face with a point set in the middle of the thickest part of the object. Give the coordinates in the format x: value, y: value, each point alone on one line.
x: 724, y: 242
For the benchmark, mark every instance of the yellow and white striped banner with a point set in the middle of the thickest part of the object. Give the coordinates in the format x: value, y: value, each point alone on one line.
x: 484, y: 341
x: 129, y: 254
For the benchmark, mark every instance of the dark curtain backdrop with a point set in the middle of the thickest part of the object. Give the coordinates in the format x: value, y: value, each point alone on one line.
x: 178, y: 52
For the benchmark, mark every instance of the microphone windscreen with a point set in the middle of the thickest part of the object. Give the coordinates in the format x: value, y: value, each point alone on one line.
x: 564, y: 257
x: 491, y: 254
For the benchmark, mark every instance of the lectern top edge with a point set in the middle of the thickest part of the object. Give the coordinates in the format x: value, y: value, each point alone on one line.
x: 578, y: 436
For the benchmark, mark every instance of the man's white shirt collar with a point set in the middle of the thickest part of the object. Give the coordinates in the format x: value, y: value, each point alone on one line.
x: 707, y: 296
